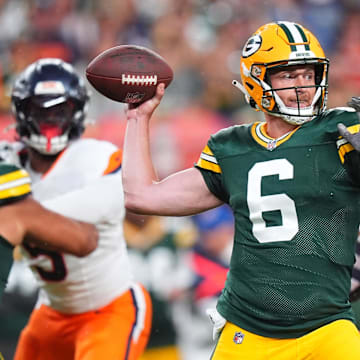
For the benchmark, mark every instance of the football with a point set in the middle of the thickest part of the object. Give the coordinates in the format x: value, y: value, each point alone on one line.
x: 128, y: 73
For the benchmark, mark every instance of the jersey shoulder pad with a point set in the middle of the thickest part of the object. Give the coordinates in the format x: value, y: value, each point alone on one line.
x: 89, y: 156
x: 227, y: 133
x: 332, y: 117
x: 15, y: 183
x: 341, y: 114
x: 228, y: 141
x: 340, y: 109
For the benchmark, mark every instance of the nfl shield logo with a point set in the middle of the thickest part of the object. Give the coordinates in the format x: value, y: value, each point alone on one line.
x: 271, y: 145
x: 238, y: 337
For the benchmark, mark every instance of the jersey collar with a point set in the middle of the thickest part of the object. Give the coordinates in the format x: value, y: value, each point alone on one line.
x: 258, y: 132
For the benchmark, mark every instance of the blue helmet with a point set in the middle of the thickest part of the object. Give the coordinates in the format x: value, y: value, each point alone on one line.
x: 49, y: 101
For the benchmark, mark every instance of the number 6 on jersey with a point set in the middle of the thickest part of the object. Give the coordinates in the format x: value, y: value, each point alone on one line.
x: 259, y: 204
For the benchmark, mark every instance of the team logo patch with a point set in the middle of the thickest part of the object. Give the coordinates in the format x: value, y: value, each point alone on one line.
x: 238, y: 337
x: 252, y: 46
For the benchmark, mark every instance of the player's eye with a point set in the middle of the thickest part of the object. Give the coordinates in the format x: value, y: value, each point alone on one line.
x: 286, y: 76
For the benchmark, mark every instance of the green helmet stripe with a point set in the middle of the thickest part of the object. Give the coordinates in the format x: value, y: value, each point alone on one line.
x: 296, y: 35
x: 301, y: 31
x: 289, y: 36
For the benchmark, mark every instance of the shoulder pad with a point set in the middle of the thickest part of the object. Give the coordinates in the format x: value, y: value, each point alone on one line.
x: 15, y: 183
x: 341, y: 114
x: 341, y: 109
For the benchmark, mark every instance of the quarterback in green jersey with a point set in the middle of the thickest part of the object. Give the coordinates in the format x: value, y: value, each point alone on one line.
x: 24, y: 219
x: 293, y: 184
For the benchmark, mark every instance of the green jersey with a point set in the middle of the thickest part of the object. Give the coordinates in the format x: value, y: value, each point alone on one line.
x: 14, y: 186
x: 297, y: 212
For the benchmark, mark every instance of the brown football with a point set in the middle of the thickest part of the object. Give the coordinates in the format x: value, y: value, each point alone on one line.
x: 128, y: 73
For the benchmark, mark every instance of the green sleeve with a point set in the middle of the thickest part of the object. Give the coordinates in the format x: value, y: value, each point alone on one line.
x: 356, y: 309
x: 214, y: 183
x: 15, y: 184
x: 352, y: 166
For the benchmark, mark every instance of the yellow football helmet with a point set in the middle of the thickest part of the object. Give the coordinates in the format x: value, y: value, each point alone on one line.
x: 277, y: 45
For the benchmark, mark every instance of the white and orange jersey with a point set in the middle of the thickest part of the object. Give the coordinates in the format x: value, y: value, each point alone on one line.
x: 84, y: 183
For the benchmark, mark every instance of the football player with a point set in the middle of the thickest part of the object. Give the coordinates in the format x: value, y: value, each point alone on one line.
x: 24, y: 220
x: 292, y: 182
x: 90, y: 308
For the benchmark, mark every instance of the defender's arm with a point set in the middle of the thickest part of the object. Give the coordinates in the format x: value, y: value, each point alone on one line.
x: 27, y: 219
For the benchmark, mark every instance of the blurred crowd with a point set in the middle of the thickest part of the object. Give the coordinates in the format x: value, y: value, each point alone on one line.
x: 202, y: 41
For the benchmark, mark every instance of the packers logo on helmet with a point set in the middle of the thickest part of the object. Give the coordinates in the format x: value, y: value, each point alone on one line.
x: 275, y: 46
x: 252, y: 46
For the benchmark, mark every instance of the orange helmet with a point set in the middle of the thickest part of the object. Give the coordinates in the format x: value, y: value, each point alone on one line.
x: 277, y: 45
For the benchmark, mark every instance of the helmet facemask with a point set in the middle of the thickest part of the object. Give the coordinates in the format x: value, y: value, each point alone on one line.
x: 47, y: 129
x: 298, y: 115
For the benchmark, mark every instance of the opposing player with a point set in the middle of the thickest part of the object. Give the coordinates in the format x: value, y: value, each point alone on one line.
x: 88, y: 308
x: 293, y: 185
x: 24, y: 220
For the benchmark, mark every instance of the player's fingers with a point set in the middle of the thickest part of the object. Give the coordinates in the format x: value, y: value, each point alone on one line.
x: 129, y: 111
x: 343, y: 131
x: 160, y: 91
x: 354, y: 103
x: 155, y: 101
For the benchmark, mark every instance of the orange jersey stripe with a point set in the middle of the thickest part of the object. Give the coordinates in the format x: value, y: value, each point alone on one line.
x: 115, y: 162
x: 53, y: 164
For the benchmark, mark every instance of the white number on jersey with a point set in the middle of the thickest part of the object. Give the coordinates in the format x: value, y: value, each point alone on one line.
x: 259, y: 204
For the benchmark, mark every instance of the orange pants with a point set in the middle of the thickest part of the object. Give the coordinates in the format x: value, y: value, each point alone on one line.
x: 119, y: 330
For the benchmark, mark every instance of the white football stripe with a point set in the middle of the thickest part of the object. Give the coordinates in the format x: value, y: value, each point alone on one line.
x: 142, y: 80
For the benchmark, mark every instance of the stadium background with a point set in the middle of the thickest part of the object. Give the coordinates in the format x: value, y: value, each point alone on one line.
x: 200, y: 39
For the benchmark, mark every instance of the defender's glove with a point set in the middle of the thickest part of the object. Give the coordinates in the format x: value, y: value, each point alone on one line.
x: 353, y: 139
x: 355, y: 103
